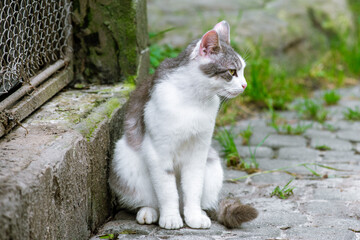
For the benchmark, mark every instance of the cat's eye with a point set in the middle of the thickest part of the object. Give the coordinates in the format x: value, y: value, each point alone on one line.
x: 232, y: 72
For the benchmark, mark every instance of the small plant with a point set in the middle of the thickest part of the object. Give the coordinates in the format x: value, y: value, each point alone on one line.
x: 352, y: 114
x: 323, y: 148
x: 231, y: 154
x: 246, y: 135
x: 329, y: 127
x: 284, y: 192
x: 291, y: 130
x: 312, y: 110
x: 253, y: 154
x: 107, y: 236
x: 331, y: 97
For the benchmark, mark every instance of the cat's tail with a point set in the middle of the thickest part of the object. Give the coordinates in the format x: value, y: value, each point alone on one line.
x: 232, y: 213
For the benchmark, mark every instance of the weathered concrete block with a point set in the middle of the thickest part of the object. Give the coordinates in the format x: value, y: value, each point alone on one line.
x: 258, y: 152
x: 53, y: 179
x: 333, y: 144
x: 277, y: 141
x: 349, y: 135
x: 301, y: 154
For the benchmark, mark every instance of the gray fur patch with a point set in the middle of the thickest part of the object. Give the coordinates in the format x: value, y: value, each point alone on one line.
x: 170, y: 171
x: 223, y: 61
x: 134, y: 125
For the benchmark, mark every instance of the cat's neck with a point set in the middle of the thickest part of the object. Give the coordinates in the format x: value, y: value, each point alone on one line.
x: 192, y: 85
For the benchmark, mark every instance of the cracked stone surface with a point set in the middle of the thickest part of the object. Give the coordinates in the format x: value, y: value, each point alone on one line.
x: 326, y: 198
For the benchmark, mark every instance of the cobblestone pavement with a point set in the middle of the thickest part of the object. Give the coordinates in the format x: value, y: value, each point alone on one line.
x: 322, y: 207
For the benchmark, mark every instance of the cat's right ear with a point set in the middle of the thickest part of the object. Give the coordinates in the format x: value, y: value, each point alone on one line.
x: 210, y: 43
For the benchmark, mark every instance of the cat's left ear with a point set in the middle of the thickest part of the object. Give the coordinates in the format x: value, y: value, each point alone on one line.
x: 210, y: 43
x: 223, y: 29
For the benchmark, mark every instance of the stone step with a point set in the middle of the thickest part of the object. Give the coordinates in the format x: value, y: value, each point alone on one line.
x: 53, y: 169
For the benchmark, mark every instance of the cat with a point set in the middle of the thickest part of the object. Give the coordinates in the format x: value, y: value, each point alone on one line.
x: 164, y: 166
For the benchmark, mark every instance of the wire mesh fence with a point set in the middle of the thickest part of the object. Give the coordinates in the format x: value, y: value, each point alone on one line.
x: 33, y: 35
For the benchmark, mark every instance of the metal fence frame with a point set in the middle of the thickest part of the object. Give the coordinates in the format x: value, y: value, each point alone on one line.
x: 35, y: 43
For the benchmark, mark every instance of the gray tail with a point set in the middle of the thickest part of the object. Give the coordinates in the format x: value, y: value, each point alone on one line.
x: 232, y: 213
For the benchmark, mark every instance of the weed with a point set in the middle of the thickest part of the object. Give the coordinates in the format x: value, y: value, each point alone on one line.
x: 291, y: 130
x: 107, y: 236
x: 253, y: 154
x: 246, y: 135
x: 329, y: 127
x: 284, y: 192
x: 229, y: 149
x: 309, y: 109
x: 352, y: 114
x: 323, y: 148
x: 331, y: 97
x: 231, y: 154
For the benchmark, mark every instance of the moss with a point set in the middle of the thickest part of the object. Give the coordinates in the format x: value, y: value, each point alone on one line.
x: 108, y: 45
x: 111, y: 105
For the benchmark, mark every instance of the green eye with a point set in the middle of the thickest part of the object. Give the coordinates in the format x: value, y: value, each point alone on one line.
x: 232, y: 72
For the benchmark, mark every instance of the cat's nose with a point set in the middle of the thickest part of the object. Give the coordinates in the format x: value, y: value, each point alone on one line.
x: 244, y: 85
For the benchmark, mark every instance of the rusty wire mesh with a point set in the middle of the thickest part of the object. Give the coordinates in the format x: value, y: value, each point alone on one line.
x: 33, y: 34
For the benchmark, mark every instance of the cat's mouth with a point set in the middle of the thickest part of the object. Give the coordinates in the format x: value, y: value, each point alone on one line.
x: 231, y: 94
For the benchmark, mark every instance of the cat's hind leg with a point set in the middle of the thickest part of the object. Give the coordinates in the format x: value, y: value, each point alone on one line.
x: 147, y: 215
x: 212, y: 182
x: 130, y: 180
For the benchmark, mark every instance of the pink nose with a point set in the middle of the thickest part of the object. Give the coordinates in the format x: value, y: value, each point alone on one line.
x: 244, y: 86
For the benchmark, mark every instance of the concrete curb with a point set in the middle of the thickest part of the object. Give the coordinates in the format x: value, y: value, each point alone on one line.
x: 53, y: 180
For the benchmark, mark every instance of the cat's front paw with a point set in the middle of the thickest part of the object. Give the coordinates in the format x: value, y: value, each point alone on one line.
x: 198, y: 220
x: 171, y: 221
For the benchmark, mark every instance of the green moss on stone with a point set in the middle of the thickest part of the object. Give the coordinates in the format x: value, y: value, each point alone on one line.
x: 111, y: 105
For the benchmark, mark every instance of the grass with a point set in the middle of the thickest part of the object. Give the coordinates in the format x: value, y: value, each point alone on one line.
x: 331, y: 97
x: 309, y: 109
x: 246, y: 135
x: 284, y: 192
x: 352, y: 114
x: 293, y: 130
x: 229, y: 150
x: 323, y: 148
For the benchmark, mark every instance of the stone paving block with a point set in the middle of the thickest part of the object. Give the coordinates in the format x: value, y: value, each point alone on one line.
x: 335, y: 112
x: 257, y: 122
x: 259, y: 152
x: 288, y: 115
x: 357, y: 147
x: 277, y: 141
x: 318, y: 233
x: 349, y: 135
x: 291, y: 165
x: 334, y: 144
x: 344, y: 124
x: 271, y: 178
x: 350, y: 103
x: 337, y: 193
x: 350, y: 92
x: 311, y: 133
x: 325, y: 208
x: 301, y: 154
x: 340, y: 156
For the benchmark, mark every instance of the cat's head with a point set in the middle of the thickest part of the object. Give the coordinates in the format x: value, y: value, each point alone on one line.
x: 219, y: 62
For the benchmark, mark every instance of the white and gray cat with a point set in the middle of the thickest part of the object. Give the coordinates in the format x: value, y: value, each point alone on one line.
x: 164, y: 166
